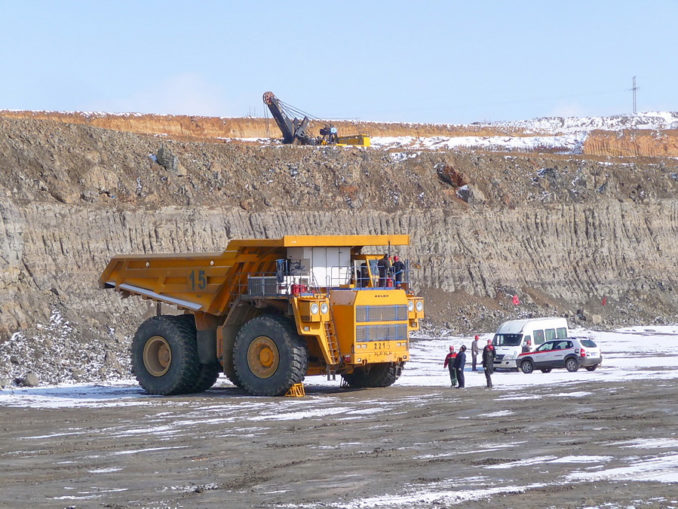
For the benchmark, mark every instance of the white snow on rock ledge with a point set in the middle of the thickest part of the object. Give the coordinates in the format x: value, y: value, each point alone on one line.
x: 569, y: 144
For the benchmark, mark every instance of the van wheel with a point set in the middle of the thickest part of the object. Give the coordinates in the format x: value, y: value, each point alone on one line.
x: 591, y: 368
x: 527, y: 367
x: 571, y: 364
x: 546, y: 370
x: 269, y: 356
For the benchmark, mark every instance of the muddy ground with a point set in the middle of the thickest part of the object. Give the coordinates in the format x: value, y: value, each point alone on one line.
x: 395, y: 447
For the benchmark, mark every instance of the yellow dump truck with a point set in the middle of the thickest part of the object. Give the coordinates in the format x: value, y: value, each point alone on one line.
x: 269, y: 312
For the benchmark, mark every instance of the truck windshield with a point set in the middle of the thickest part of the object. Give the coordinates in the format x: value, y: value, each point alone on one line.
x: 507, y: 339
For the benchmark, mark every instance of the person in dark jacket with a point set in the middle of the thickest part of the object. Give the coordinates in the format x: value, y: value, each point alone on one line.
x: 449, y: 364
x: 364, y: 275
x: 474, y: 352
x: 459, y: 362
x: 398, y: 271
x: 384, y: 266
x: 488, y: 362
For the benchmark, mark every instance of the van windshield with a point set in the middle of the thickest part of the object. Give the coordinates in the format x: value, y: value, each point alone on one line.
x: 507, y: 339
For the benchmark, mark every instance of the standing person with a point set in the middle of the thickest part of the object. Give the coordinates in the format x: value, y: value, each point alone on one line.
x: 459, y: 362
x: 488, y: 362
x: 398, y: 270
x: 474, y: 352
x: 364, y: 275
x: 527, y: 347
x: 384, y: 266
x: 449, y: 364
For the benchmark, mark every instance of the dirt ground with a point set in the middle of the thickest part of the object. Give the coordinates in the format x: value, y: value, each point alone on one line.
x: 554, y: 446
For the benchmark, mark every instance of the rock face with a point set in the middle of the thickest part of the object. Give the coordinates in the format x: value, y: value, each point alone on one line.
x: 562, y: 232
x: 633, y: 143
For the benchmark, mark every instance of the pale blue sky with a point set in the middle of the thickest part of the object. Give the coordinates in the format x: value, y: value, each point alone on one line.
x: 426, y: 61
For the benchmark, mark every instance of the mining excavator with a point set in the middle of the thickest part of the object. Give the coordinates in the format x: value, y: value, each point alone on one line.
x: 296, y: 131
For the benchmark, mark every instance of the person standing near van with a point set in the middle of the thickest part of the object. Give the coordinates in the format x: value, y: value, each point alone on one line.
x: 488, y: 362
x: 527, y: 346
x: 459, y: 362
x: 474, y: 352
x: 449, y: 364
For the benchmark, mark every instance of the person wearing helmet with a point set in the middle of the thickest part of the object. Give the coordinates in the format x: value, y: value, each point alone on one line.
x: 488, y: 362
x: 449, y: 364
x: 459, y: 362
x: 474, y: 352
x: 398, y: 271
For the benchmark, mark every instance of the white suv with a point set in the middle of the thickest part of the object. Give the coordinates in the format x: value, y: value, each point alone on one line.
x: 569, y: 353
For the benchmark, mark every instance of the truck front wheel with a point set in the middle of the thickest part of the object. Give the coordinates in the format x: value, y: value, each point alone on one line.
x: 165, y: 356
x: 269, y: 357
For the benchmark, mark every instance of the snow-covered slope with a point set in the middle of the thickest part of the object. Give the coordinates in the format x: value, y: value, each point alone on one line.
x: 553, y: 134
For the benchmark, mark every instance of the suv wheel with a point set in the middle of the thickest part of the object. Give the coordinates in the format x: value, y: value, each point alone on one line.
x: 571, y: 364
x: 527, y: 366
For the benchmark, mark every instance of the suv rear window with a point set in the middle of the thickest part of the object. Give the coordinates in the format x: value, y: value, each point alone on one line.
x: 589, y: 343
x: 507, y: 339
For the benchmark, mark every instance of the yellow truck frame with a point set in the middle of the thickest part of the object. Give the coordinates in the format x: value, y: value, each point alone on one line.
x: 268, y: 312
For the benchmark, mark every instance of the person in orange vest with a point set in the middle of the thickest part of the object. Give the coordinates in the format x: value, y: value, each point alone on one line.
x: 449, y: 363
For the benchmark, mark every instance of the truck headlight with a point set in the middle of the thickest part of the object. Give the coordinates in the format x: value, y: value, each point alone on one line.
x: 324, y: 308
x: 314, y: 308
x: 410, y: 306
x: 420, y: 306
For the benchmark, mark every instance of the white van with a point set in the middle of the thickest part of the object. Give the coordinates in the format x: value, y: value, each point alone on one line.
x: 512, y: 338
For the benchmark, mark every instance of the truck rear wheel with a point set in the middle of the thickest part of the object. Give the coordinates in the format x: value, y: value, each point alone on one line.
x: 375, y: 375
x: 165, y: 356
x: 269, y: 357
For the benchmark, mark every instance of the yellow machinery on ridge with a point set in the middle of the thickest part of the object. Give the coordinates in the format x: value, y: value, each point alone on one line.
x: 269, y: 312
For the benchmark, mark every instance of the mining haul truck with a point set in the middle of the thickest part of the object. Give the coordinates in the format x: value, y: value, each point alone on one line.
x: 269, y: 312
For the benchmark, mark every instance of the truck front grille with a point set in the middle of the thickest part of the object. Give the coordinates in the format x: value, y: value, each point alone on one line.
x: 389, y: 332
x: 381, y: 313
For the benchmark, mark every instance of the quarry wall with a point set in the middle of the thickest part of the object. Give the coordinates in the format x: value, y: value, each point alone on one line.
x: 562, y: 232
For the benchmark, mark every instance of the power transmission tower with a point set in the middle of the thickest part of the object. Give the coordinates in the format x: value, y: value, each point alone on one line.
x: 634, y: 88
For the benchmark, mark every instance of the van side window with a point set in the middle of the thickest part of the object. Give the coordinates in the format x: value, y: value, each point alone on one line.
x: 561, y: 332
x: 538, y: 337
x: 526, y: 338
x: 550, y: 334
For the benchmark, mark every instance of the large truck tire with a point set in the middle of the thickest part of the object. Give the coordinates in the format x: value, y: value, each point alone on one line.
x: 269, y: 357
x: 375, y: 375
x: 207, y: 373
x: 165, y: 355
